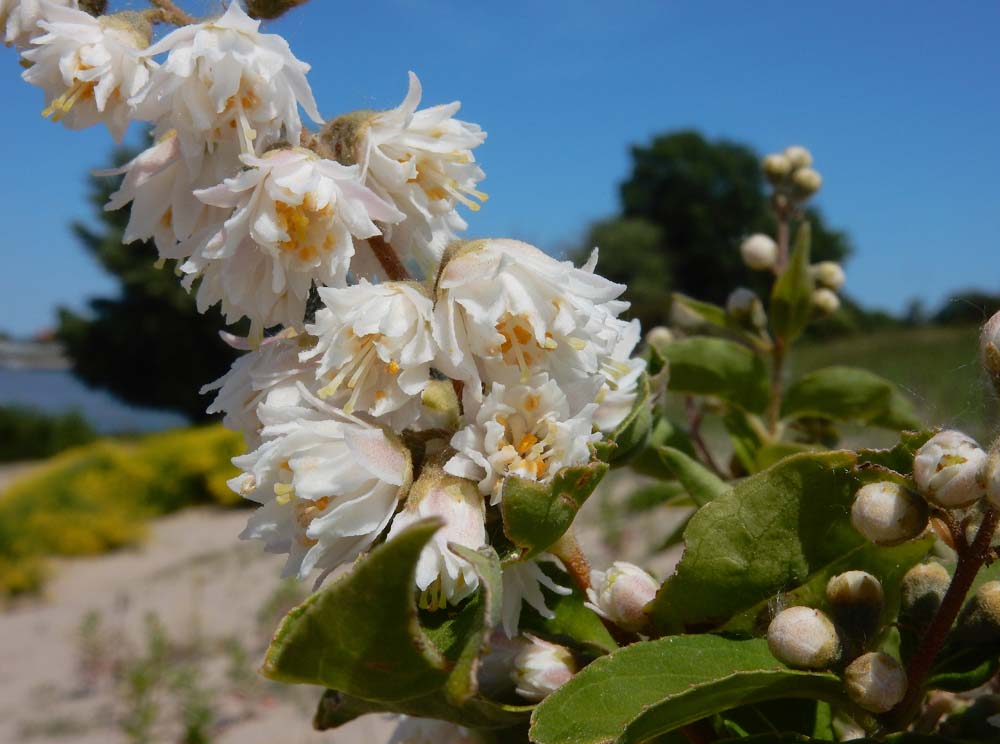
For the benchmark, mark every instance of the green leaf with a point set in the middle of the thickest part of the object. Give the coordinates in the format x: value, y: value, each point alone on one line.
x: 886, y: 564
x: 768, y: 534
x: 650, y: 688
x: 462, y: 683
x: 701, y: 483
x: 572, y: 624
x: 720, y: 368
x: 663, y: 432
x: 849, y: 394
x: 360, y: 635
x: 774, y: 452
x: 535, y: 515
x: 791, y: 296
x: 631, y: 435
x: 687, y: 311
x: 746, y: 438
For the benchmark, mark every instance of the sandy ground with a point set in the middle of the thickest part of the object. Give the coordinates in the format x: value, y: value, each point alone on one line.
x: 73, y: 663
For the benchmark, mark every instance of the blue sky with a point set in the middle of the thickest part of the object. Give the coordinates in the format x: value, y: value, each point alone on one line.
x: 898, y: 102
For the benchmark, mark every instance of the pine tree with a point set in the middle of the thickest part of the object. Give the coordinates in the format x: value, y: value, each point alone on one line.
x: 149, y: 345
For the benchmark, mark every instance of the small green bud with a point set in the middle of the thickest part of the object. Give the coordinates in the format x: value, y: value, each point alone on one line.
x: 803, y: 638
x: 441, y: 407
x: 828, y: 274
x: 659, y: 336
x: 876, y: 682
x: 948, y: 470
x: 885, y: 513
x: 825, y: 301
x: 980, y: 618
x: 921, y: 591
x: 856, y: 599
x: 759, y: 252
x: 806, y: 181
x: 776, y: 167
x: 799, y: 156
x: 745, y: 307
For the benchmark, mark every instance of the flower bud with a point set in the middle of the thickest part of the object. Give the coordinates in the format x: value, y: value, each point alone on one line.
x: 540, y: 668
x: 807, y: 181
x: 659, y: 336
x: 803, y: 638
x: 798, y: 156
x: 759, y: 252
x: 948, y: 470
x: 776, y: 166
x: 856, y: 599
x: 825, y: 301
x: 980, y: 619
x: 441, y: 409
x: 876, y: 682
x: 828, y: 274
x: 989, y: 349
x: 887, y: 514
x: 991, y: 476
x: 921, y: 591
x: 621, y: 594
x: 744, y: 306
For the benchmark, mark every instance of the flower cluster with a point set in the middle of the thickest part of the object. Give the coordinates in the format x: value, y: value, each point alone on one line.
x: 392, y: 373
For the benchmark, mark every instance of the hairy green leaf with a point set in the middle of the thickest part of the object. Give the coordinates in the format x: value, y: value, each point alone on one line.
x: 768, y: 534
x: 360, y: 635
x: 849, y: 394
x: 719, y: 368
x: 535, y: 515
x: 650, y: 688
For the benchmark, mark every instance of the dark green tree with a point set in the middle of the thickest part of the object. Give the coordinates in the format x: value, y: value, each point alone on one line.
x: 149, y: 345
x: 691, y: 201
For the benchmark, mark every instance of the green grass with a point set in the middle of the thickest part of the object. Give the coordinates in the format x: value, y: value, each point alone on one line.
x: 937, y: 367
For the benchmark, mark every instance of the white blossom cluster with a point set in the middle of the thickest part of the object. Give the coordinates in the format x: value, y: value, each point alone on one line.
x: 527, y: 355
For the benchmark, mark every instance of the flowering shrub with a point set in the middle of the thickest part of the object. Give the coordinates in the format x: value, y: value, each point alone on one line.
x: 427, y: 415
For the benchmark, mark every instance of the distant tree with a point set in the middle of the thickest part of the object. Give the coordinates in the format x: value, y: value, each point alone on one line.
x: 149, y: 345
x: 692, y: 201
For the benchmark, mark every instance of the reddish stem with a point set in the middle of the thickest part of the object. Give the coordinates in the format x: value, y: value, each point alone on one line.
x: 393, y: 267
x: 970, y: 561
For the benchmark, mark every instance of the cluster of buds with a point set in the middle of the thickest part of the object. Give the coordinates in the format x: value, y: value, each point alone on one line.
x: 428, y: 370
x: 807, y: 638
x: 791, y: 173
x: 950, y: 472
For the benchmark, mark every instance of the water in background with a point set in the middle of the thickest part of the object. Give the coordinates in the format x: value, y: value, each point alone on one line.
x: 57, y: 391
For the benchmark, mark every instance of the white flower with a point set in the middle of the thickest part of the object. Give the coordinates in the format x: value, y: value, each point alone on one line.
x: 528, y: 430
x: 294, y: 217
x: 523, y: 582
x: 223, y: 79
x: 422, y: 161
x: 505, y: 310
x: 412, y: 730
x: 948, y: 470
x: 621, y: 594
x: 88, y: 67
x: 19, y: 19
x: 159, y: 186
x: 443, y: 577
x: 540, y: 668
x: 328, y: 488
x: 375, y: 347
x: 622, y: 372
x: 268, y: 377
